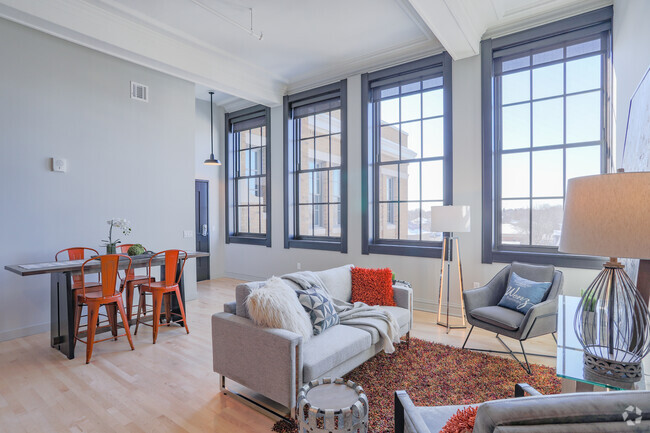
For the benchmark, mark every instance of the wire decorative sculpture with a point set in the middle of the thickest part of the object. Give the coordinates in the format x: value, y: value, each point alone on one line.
x: 613, y: 325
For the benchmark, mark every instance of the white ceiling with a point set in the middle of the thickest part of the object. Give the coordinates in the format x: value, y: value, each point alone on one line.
x: 305, y: 42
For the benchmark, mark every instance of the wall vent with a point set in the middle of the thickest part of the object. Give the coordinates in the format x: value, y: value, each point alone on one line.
x: 139, y: 91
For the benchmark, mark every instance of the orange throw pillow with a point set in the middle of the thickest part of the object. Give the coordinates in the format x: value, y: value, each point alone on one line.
x: 461, y: 422
x: 372, y: 286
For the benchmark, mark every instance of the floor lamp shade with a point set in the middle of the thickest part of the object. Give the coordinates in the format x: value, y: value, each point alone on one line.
x: 450, y: 219
x: 608, y: 215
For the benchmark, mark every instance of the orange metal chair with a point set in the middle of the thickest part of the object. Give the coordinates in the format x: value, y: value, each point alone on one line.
x: 131, y: 282
x: 107, y: 296
x: 163, y: 289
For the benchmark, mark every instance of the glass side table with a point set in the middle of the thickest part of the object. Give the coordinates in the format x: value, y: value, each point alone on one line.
x: 570, y: 366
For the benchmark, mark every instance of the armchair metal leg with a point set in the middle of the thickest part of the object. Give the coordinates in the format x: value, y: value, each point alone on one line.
x: 554, y: 337
x: 468, y: 334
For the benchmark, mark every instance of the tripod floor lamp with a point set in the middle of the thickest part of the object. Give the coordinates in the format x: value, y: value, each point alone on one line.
x: 450, y: 220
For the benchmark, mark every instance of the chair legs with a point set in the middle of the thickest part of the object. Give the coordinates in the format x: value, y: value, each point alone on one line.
x: 159, y: 299
x: 93, y: 313
x: 509, y: 351
x: 125, y: 320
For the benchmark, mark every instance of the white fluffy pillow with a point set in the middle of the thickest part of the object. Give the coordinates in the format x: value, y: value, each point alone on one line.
x: 275, y: 305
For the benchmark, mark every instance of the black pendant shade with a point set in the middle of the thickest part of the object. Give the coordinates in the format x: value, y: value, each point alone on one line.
x: 212, y: 160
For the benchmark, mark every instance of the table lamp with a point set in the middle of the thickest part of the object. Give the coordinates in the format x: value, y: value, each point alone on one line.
x: 450, y: 219
x: 609, y: 215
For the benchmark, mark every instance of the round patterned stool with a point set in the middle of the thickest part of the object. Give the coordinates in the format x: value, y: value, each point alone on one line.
x: 327, y: 405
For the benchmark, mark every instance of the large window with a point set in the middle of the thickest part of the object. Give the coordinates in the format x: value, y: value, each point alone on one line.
x: 407, y: 156
x: 549, y: 115
x: 315, y: 214
x: 248, y: 175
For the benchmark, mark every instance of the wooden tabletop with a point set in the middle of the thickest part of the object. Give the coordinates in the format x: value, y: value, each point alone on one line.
x: 140, y: 261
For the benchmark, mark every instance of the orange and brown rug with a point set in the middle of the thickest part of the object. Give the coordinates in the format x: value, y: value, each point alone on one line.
x: 437, y: 375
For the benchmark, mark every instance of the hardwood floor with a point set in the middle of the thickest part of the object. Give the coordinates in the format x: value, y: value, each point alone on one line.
x: 166, y: 387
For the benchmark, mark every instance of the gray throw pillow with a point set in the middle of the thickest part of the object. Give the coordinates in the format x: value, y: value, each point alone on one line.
x: 320, y: 309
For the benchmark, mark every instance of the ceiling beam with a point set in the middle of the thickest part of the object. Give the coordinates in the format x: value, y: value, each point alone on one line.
x: 458, y: 24
x: 91, y: 26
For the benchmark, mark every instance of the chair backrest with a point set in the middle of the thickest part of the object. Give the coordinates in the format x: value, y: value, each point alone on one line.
x: 75, y: 253
x: 541, y: 273
x: 172, y: 275
x: 109, y: 268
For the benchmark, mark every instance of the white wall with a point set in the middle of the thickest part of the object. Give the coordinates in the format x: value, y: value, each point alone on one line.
x: 255, y: 262
x: 214, y: 176
x: 631, y: 46
x: 125, y: 158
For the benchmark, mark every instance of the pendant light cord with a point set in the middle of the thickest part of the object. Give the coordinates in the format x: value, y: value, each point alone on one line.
x: 211, y: 127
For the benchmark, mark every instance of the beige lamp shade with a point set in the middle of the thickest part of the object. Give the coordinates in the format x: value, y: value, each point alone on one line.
x: 608, y: 215
x: 450, y: 218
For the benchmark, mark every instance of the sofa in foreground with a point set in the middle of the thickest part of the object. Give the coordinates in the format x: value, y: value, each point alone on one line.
x: 617, y: 411
x: 276, y: 362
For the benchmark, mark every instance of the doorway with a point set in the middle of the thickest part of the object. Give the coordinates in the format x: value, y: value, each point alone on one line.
x: 202, y: 230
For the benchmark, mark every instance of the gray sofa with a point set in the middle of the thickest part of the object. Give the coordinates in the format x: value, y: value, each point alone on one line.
x: 578, y: 412
x: 276, y: 362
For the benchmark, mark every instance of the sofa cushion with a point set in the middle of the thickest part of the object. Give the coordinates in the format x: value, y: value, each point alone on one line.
x: 499, y: 316
x: 325, y: 351
x: 338, y: 282
x: 241, y: 294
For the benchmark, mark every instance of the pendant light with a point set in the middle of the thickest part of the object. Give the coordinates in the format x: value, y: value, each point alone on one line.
x: 211, y: 160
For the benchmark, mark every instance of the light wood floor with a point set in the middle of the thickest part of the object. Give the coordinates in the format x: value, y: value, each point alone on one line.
x: 166, y: 387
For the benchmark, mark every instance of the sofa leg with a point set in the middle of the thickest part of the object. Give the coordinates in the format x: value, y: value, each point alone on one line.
x: 250, y: 402
x: 408, y: 339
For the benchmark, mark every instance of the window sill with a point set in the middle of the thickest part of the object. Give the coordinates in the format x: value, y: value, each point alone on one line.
x: 405, y: 250
x: 249, y: 240
x: 546, y: 258
x: 312, y: 244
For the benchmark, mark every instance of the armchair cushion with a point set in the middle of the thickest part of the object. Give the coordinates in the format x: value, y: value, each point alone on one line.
x: 499, y: 316
x: 522, y: 294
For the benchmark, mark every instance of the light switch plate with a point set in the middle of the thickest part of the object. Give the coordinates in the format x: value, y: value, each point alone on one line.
x: 188, y: 233
x: 59, y: 165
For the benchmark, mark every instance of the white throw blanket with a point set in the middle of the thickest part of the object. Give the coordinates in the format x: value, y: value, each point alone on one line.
x: 359, y: 315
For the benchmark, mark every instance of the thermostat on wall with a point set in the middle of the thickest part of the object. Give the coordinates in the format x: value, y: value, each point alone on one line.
x: 59, y: 164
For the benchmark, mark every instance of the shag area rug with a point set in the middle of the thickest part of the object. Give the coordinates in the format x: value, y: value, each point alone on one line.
x: 437, y: 375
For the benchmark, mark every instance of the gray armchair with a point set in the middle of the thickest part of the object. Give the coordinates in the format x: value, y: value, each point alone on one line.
x: 612, y: 412
x: 483, y: 311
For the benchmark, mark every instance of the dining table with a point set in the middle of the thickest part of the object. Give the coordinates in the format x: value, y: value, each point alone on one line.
x: 62, y: 302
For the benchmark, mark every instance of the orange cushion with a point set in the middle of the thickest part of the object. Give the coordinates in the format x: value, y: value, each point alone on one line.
x: 461, y: 422
x: 372, y: 286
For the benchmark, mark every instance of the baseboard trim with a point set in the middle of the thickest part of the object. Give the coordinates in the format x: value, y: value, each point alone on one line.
x: 24, y: 332
x: 423, y: 304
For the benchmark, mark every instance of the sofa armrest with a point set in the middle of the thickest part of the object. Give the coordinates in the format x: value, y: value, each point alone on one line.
x: 403, y: 296
x: 230, y: 307
x: 488, y: 295
x: 239, y: 347
x: 406, y: 414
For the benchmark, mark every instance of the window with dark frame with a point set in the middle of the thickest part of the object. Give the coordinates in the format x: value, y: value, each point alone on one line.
x: 248, y: 176
x: 407, y: 156
x: 549, y: 122
x: 315, y: 149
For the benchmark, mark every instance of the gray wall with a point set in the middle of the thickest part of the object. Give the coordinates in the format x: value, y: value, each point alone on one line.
x: 255, y: 262
x: 631, y: 41
x: 126, y: 159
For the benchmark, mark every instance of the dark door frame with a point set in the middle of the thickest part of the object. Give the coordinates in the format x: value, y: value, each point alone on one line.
x: 207, y: 205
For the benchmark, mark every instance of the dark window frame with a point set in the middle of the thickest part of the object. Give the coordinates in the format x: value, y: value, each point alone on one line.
x: 229, y: 170
x: 331, y: 91
x: 441, y: 65
x: 556, y: 33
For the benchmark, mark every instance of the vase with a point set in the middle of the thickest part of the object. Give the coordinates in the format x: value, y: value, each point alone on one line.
x: 111, y: 248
